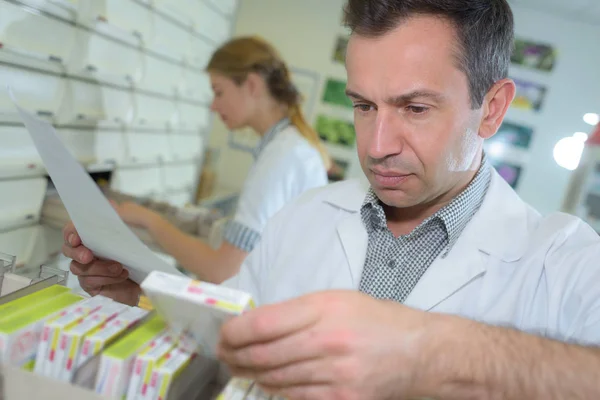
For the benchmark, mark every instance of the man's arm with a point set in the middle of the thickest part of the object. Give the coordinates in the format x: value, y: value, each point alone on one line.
x: 508, y: 364
x: 472, y: 360
x: 344, y: 344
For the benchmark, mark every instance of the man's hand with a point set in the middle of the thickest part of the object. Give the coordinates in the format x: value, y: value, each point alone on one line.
x: 107, y: 278
x: 330, y: 345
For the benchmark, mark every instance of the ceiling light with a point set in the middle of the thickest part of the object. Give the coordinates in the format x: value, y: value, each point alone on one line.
x: 591, y: 119
x: 567, y: 152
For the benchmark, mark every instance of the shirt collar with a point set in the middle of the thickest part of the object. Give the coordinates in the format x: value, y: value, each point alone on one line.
x: 457, y: 214
x: 454, y: 216
x: 268, y: 137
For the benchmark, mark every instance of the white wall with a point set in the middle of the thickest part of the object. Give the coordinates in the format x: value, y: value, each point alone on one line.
x: 305, y: 32
x: 573, y: 90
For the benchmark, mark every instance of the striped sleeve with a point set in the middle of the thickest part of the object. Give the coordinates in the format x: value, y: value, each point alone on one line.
x: 240, y: 236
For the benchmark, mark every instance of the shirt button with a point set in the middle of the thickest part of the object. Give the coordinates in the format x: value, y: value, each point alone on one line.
x: 392, y: 264
x: 375, y: 220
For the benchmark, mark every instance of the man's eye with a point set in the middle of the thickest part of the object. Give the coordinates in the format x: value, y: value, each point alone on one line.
x: 417, y: 109
x: 363, y: 107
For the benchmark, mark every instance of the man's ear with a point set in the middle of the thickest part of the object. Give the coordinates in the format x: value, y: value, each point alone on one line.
x: 495, y: 105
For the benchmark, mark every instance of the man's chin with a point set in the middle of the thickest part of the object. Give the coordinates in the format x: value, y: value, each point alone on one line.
x: 394, y: 198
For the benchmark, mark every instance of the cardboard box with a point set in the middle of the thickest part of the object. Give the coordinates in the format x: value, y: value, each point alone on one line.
x: 194, y: 310
x: 144, y: 365
x: 46, y: 354
x: 31, y: 300
x: 20, y: 333
x: 106, y: 333
x: 71, y: 339
x: 117, y: 361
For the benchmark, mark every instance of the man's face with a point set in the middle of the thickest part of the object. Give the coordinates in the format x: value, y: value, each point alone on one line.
x: 417, y: 135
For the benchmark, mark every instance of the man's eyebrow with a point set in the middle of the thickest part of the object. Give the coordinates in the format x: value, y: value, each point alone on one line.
x: 357, y: 96
x: 403, y: 98
x: 416, y: 94
x: 352, y: 93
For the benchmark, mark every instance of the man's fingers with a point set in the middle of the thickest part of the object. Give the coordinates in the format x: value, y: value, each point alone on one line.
x: 98, y: 282
x: 126, y: 292
x: 80, y: 254
x: 268, y: 323
x: 301, y: 346
x: 92, y: 291
x: 123, y: 291
x: 317, y: 371
x: 70, y: 235
x: 109, y: 269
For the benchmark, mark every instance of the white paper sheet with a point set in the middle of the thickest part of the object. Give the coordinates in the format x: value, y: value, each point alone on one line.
x: 100, y: 227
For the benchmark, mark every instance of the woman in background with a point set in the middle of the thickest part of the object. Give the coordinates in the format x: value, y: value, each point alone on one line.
x: 252, y: 88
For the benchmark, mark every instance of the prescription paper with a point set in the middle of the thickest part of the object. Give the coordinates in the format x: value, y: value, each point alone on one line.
x: 100, y: 227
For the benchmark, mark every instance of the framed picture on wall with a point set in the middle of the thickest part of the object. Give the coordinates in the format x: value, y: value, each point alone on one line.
x: 335, y: 131
x: 510, y: 172
x: 339, y: 54
x: 335, y: 93
x: 529, y: 96
x: 513, y: 134
x: 534, y: 55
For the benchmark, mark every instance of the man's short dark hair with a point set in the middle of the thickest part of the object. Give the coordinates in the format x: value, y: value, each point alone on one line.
x: 485, y: 30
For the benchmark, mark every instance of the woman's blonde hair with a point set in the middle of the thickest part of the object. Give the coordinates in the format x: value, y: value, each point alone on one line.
x: 242, y: 56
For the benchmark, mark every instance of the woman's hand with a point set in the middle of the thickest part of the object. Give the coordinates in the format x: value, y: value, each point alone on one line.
x: 136, y: 215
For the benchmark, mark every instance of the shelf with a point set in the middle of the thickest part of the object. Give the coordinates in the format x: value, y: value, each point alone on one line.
x: 175, y: 19
x: 11, y: 116
x: 184, y: 22
x: 72, y: 8
x: 91, y: 72
x: 225, y: 7
x: 18, y: 156
x: 20, y: 202
x: 31, y: 58
x: 103, y: 27
x: 114, y: 32
x: 55, y: 8
x: 29, y: 244
x: 38, y: 92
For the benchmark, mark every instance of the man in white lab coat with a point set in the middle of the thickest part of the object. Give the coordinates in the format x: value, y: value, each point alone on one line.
x: 458, y: 288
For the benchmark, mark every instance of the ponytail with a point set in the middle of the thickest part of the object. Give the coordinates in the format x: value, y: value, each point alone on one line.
x: 297, y: 119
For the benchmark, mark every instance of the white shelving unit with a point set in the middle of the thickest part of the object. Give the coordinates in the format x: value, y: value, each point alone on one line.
x: 122, y: 81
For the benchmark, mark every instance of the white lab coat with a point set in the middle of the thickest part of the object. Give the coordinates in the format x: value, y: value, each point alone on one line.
x: 509, y: 267
x: 287, y: 167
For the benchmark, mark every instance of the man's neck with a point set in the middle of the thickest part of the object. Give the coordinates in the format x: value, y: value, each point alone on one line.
x: 402, y: 221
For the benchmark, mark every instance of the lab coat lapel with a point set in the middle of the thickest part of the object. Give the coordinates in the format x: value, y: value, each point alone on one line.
x: 353, y: 237
x: 499, y: 230
x: 352, y: 234
x: 448, y: 275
